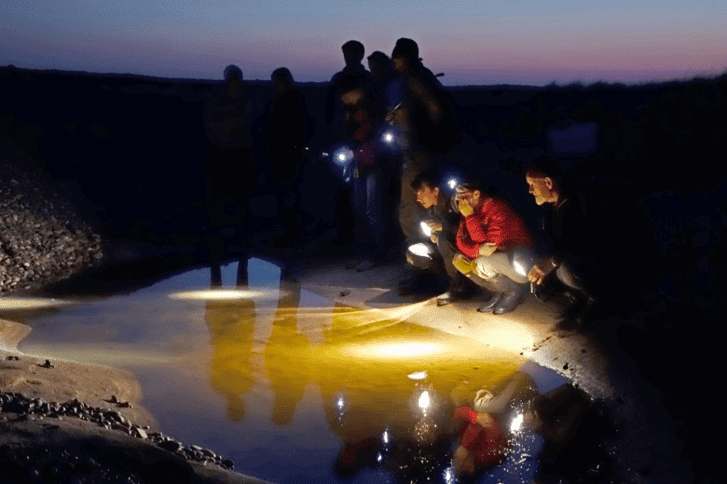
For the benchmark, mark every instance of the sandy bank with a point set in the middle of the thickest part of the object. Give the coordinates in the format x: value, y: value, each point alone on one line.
x: 61, y: 419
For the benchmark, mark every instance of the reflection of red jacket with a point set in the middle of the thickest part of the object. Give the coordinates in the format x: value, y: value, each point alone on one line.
x: 487, y: 444
x: 495, y: 221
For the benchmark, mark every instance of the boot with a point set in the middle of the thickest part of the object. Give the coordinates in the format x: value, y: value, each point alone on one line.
x: 497, y: 286
x: 512, y: 297
x: 457, y: 289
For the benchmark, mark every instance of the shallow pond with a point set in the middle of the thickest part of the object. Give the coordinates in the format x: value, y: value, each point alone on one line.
x: 294, y: 387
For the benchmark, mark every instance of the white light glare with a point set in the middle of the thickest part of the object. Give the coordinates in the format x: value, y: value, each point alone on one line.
x: 339, y: 403
x: 341, y: 157
x: 426, y: 229
x: 385, y: 437
x: 517, y: 423
x: 519, y: 268
x: 452, y: 183
x: 424, y: 400
x: 388, y: 137
x: 420, y: 249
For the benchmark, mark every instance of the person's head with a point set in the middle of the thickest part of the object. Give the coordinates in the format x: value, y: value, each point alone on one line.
x: 353, y: 52
x: 426, y: 187
x: 542, y: 179
x: 282, y: 80
x: 233, y: 78
x: 472, y: 192
x: 379, y: 64
x: 405, y: 55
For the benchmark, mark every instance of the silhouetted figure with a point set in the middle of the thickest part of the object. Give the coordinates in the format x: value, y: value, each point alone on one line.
x: 564, y: 222
x: 496, y: 248
x: 287, y: 357
x: 353, y: 54
x: 425, y: 117
x: 285, y: 140
x: 371, y: 172
x: 230, y: 173
x: 231, y: 325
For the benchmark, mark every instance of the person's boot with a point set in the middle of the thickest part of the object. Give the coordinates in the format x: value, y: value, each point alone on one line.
x: 498, y: 285
x: 457, y: 289
x: 512, y: 297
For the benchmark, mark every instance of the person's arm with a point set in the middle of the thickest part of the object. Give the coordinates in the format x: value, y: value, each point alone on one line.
x: 465, y: 243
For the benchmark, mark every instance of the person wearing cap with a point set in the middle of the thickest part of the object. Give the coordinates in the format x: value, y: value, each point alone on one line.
x: 230, y: 173
x: 564, y: 222
x: 420, y: 106
x: 495, y: 247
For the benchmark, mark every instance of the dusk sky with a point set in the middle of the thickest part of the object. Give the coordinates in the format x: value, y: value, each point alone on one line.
x: 528, y: 42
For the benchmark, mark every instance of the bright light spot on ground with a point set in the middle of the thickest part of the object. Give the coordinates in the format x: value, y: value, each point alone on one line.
x: 420, y: 249
x: 407, y: 349
x: 226, y: 294
x: 517, y: 423
x: 14, y: 303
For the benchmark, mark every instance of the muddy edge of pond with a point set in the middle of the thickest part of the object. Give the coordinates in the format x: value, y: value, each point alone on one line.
x: 61, y: 419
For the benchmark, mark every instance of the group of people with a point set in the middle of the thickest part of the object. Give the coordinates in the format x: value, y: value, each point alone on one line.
x: 392, y: 124
x: 481, y: 239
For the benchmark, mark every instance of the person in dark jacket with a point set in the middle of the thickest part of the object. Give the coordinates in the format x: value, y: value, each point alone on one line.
x: 565, y: 223
x: 285, y: 140
x: 441, y: 222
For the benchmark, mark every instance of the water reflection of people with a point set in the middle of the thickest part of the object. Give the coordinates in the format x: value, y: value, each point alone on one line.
x: 287, y: 358
x: 231, y: 372
x: 482, y: 424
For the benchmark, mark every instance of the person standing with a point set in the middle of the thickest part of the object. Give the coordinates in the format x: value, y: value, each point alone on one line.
x: 285, y: 141
x: 230, y: 173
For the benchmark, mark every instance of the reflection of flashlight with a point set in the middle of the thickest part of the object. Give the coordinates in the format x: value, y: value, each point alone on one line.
x: 516, y: 423
x: 426, y: 229
x: 424, y: 401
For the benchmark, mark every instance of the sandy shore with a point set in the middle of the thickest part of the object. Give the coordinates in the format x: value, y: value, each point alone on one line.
x: 112, y: 439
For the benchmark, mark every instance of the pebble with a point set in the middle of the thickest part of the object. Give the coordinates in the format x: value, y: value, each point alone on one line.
x: 36, y: 408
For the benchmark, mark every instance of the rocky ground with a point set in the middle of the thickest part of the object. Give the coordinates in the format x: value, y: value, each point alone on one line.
x: 43, y: 237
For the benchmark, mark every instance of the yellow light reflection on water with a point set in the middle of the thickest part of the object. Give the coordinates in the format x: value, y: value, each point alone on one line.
x: 407, y: 349
x: 15, y: 303
x: 227, y: 294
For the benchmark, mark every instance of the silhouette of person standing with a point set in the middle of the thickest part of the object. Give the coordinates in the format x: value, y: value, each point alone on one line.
x: 230, y: 173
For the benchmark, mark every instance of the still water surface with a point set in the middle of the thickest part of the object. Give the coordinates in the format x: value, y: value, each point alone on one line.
x: 290, y: 385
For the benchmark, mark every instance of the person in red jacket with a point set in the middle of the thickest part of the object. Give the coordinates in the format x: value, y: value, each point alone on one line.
x: 495, y: 248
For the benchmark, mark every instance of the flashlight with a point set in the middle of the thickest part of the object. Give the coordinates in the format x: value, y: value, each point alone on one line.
x: 388, y: 137
x: 343, y: 156
x: 452, y: 183
x: 420, y: 249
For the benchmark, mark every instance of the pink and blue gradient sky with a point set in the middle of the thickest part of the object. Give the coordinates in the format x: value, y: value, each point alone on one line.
x: 527, y: 42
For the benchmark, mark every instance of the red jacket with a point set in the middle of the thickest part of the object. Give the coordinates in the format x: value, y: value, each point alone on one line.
x: 495, y: 221
x: 488, y: 444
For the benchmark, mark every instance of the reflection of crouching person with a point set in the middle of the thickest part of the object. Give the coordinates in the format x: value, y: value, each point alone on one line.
x: 495, y: 248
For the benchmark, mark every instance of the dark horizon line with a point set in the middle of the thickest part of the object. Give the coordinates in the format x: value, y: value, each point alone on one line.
x: 578, y: 83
